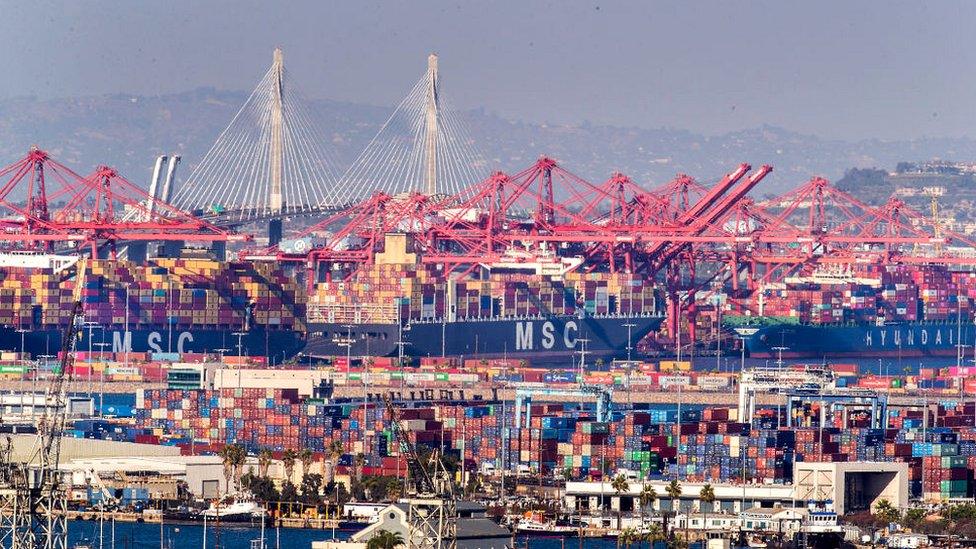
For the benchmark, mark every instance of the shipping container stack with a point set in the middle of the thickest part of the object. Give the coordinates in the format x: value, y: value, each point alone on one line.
x: 189, y: 293
x: 819, y: 303
x: 711, y: 445
x: 929, y: 292
x: 898, y: 293
x: 938, y: 295
x: 33, y: 297
x: 898, y: 297
x: 647, y: 446
x: 382, y: 293
x: 420, y: 292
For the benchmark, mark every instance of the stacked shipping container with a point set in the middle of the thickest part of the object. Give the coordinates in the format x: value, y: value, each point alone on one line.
x: 384, y: 293
x: 188, y: 293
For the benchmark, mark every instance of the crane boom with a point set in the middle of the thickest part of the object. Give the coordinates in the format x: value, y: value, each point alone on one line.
x: 431, y: 494
x: 51, y: 452
x: 417, y: 474
x: 47, y: 504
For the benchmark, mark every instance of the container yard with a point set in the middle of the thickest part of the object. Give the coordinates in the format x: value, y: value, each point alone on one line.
x: 699, y: 445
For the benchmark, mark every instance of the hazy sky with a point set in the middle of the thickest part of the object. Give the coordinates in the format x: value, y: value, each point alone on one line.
x: 837, y: 69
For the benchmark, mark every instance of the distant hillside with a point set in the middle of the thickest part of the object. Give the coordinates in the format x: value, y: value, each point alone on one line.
x: 958, y: 203
x: 128, y: 132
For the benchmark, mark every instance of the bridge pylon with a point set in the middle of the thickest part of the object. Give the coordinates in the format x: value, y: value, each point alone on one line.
x: 270, y: 161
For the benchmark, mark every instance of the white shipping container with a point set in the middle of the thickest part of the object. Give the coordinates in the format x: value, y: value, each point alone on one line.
x: 674, y: 381
x: 713, y: 382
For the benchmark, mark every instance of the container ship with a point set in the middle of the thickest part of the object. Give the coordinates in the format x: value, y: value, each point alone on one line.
x: 534, y: 311
x: 876, y: 311
x: 257, y: 308
x: 162, y: 306
x: 517, y: 310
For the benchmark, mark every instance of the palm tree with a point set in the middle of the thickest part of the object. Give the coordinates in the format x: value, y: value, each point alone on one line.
x: 886, y: 511
x: 652, y: 535
x: 619, y: 485
x: 678, y: 543
x: 384, y: 539
x: 305, y: 456
x: 234, y: 456
x: 648, y: 496
x: 334, y: 451
x: 707, y: 497
x: 288, y: 460
x: 264, y: 462
x: 359, y: 462
x: 674, y: 492
x: 626, y: 538
x: 394, y: 490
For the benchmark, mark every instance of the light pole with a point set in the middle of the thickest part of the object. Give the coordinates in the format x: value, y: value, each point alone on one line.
x: 744, y: 333
x: 22, y: 331
x: 582, y: 364
x: 220, y: 353
x: 240, y: 344
x: 630, y: 340
x: 101, y: 390
x: 718, y: 333
x: 91, y: 328
x: 47, y: 364
x: 348, y: 344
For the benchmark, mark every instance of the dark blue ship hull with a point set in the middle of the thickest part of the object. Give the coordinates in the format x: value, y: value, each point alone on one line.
x: 277, y: 344
x: 906, y: 340
x: 550, y: 337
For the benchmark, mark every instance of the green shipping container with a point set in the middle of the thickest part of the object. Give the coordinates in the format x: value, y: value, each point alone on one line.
x: 956, y: 486
x: 595, y: 428
x: 954, y: 462
x: 945, y: 449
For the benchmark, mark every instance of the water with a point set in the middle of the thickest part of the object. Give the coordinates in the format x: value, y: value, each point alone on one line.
x: 130, y: 535
x: 134, y: 535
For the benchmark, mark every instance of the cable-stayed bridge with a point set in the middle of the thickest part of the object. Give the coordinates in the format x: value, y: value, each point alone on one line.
x: 273, y: 159
x: 423, y: 147
x: 270, y: 161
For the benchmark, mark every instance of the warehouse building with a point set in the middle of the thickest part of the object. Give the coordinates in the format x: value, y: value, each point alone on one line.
x: 25, y: 448
x: 852, y: 486
x: 203, y: 475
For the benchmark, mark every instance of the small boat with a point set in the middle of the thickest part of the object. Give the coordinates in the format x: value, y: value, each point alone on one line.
x: 536, y: 524
x: 549, y: 528
x: 756, y: 542
x: 181, y: 513
x: 237, y: 511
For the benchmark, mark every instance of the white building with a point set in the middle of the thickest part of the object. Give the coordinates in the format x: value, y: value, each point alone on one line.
x: 730, y: 498
x: 849, y: 485
x: 852, y: 486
